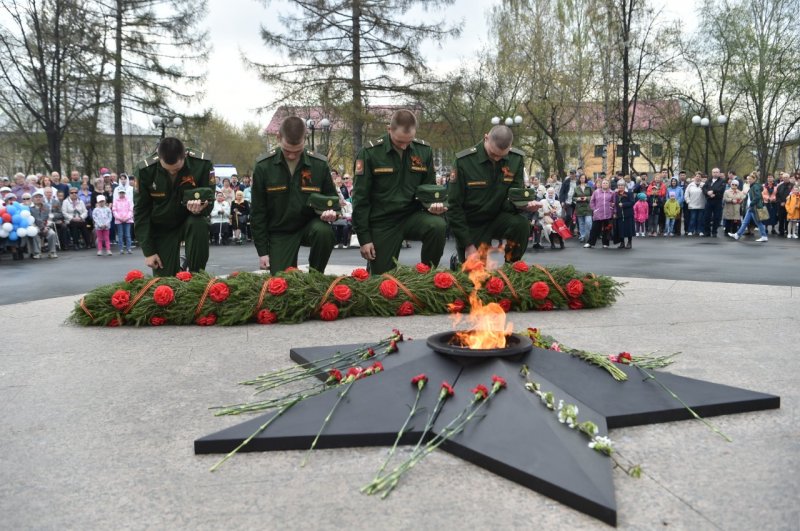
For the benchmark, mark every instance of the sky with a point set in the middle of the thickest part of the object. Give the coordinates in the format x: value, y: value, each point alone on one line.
x: 235, y: 93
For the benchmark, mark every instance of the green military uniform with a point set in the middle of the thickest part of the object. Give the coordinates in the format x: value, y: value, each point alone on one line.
x: 280, y: 218
x: 479, y: 209
x: 161, y: 219
x: 385, y: 211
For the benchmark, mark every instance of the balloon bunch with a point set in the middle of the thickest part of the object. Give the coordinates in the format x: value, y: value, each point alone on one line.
x: 17, y: 222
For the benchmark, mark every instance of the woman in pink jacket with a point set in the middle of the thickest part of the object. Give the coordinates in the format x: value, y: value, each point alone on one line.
x: 603, y: 203
x: 122, y: 209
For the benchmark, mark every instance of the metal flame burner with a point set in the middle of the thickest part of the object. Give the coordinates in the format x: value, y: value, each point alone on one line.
x: 442, y: 343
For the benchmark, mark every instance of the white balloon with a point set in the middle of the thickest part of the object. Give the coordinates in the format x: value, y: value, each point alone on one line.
x: 25, y: 214
x: 7, y: 227
x: 3, y: 234
x: 22, y: 232
x: 33, y: 230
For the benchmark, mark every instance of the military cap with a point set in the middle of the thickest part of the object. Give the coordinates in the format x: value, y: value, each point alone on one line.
x: 520, y: 196
x: 320, y: 202
x: 427, y: 194
x: 201, y: 194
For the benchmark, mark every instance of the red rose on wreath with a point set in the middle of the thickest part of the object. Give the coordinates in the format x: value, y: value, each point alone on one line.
x: 423, y: 268
x: 219, y: 292
x: 457, y: 306
x: 157, y: 321
x: 405, y: 309
x: 575, y: 288
x: 163, y: 295
x: 505, y: 304
x: 134, y: 274
x: 547, y: 306
x: 291, y: 269
x: 329, y: 312
x: 539, y: 290
x: 234, y: 274
x: 520, y: 267
x: 183, y: 276
x: 114, y: 322
x: 360, y: 274
x: 342, y: 293
x: 266, y: 317
x: 207, y: 320
x: 120, y: 299
x: 443, y: 280
x: 575, y: 304
x: 388, y: 289
x: 495, y: 285
x: 277, y: 286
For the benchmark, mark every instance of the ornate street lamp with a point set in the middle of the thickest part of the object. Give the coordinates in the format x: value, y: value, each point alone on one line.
x: 162, y: 123
x: 705, y: 123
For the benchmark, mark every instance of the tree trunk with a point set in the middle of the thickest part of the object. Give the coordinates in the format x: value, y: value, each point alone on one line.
x: 627, y: 15
x: 119, y: 144
x: 358, y: 104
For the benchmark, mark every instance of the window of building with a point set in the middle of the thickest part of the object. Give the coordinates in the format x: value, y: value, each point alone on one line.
x: 657, y: 150
x: 598, y: 150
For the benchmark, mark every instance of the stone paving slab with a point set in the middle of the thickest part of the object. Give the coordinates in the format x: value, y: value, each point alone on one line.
x: 99, y: 424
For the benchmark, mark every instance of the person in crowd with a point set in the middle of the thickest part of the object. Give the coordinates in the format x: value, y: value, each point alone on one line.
x: 59, y: 184
x: 656, y: 196
x: 22, y: 186
x: 102, y: 217
x: 713, y: 190
x: 782, y: 191
x: 240, y: 216
x: 603, y: 203
x: 732, y: 203
x: 769, y: 196
x: 227, y: 191
x: 76, y: 213
x: 122, y: 208
x: 248, y: 194
x: 74, y: 179
x: 550, y: 211
x: 793, y: 211
x: 696, y: 202
x: 49, y: 195
x: 753, y: 202
x: 41, y: 215
x: 623, y: 216
x: 58, y: 222
x: 676, y: 188
x: 220, y: 220
x: 385, y: 209
x: 565, y: 197
x: 538, y: 188
x: 342, y: 227
x: 31, y: 243
x: 641, y: 213
x: 124, y: 184
x: 280, y: 218
x: 583, y: 212
x: 672, y: 212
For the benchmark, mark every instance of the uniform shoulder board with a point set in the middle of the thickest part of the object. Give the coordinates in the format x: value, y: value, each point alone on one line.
x: 198, y: 154
x: 376, y: 142
x: 265, y: 156
x: 149, y: 161
x: 316, y: 155
x: 518, y: 151
x: 468, y: 151
x: 420, y: 141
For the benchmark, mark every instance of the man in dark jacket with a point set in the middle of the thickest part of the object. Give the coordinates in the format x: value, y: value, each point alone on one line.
x: 713, y: 189
x: 782, y: 191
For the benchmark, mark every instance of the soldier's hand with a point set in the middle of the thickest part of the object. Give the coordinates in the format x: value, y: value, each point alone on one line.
x: 329, y: 216
x: 263, y: 262
x: 437, y: 208
x: 153, y: 262
x: 195, y: 206
x: 368, y: 251
x: 533, y: 206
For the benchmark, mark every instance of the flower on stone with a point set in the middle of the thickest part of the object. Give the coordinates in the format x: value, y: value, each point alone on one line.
x: 277, y: 286
x: 498, y: 383
x: 219, y: 292
x: 360, y: 274
x: 120, y: 299
x: 443, y: 280
x: 329, y: 312
x: 567, y: 414
x: 266, y: 317
x: 575, y: 288
x: 163, y: 295
x: 446, y: 391
x: 480, y: 392
x: 602, y: 444
x: 495, y: 285
x: 375, y: 368
x: 133, y: 274
x: 334, y: 376
x: 157, y: 321
x: 457, y: 306
x: 423, y: 268
x: 539, y: 290
x: 353, y: 373
x: 342, y: 293
x: 398, y: 334
x: 370, y: 352
x: 388, y: 288
x: 405, y: 309
x: 392, y: 347
x: 419, y: 380
x: 555, y: 347
x: 520, y: 267
x: 588, y: 427
x: 625, y: 358
x: 183, y: 276
x: 548, y: 399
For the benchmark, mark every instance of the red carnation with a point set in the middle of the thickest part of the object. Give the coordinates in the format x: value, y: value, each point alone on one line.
x: 208, y: 320
x: 157, y: 321
x: 481, y: 392
x: 405, y: 309
x: 266, y: 317
x: 539, y: 290
x: 370, y: 352
x: 183, y: 276
x: 495, y: 285
x: 376, y: 367
x: 457, y: 306
x: 392, y: 347
x: 329, y: 312
x: 397, y: 333
x: 625, y: 357
x: 447, y: 390
x: 388, y: 289
x: 277, y: 286
x: 360, y: 274
x: 334, y: 375
x: 547, y: 306
x: 163, y: 295
x: 505, y: 304
x: 114, y: 322
x: 133, y: 274
x: 120, y: 299
x: 423, y: 268
x: 291, y: 269
x: 234, y: 274
x: 354, y: 373
x: 342, y: 293
x: 499, y: 381
x: 419, y: 378
x: 521, y: 267
x: 575, y: 288
x: 219, y: 292
x: 575, y: 304
x: 443, y: 280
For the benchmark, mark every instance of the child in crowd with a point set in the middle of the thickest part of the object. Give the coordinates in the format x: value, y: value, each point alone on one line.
x: 102, y: 216
x: 672, y: 209
x: 793, y: 211
x: 641, y: 211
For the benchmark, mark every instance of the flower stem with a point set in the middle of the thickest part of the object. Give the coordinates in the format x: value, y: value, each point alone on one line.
x: 400, y: 434
x: 325, y: 422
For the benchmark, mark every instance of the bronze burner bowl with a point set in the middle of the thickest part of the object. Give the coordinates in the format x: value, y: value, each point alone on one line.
x: 443, y: 343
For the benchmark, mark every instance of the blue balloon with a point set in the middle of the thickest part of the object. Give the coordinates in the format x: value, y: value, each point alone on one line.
x: 16, y: 219
x: 13, y: 236
x: 29, y: 221
x: 24, y: 207
x: 13, y: 209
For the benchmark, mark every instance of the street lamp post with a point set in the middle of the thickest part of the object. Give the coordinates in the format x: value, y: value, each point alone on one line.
x: 705, y: 123
x: 311, y: 124
x: 323, y: 124
x: 163, y: 123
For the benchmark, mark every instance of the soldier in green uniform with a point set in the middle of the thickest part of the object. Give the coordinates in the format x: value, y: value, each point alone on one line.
x: 385, y: 210
x: 480, y: 210
x: 163, y: 218
x: 281, y: 219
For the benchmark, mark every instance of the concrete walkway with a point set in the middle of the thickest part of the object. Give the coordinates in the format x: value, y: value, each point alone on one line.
x: 98, y: 425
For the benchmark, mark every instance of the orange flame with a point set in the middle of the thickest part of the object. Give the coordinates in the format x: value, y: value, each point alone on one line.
x: 488, y: 327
